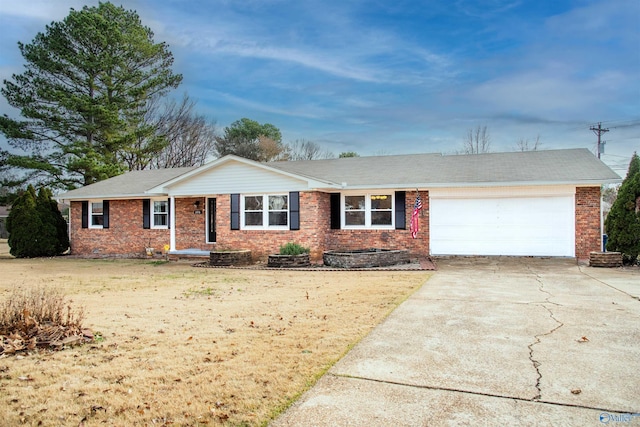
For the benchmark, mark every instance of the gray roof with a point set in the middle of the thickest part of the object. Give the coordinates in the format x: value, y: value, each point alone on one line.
x: 575, y: 166
x: 572, y: 166
x: 130, y: 184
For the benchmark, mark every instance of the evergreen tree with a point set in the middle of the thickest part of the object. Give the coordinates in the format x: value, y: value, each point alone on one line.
x: 55, y: 236
x: 83, y: 95
x: 23, y: 224
x: 623, y: 222
x: 36, y: 227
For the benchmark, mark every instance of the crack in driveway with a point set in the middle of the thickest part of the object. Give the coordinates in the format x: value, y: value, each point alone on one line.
x: 536, y: 363
x: 476, y: 393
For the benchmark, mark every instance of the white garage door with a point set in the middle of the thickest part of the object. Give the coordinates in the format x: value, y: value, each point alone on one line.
x: 536, y: 226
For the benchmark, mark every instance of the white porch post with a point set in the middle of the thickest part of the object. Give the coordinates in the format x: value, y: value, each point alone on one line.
x: 172, y: 225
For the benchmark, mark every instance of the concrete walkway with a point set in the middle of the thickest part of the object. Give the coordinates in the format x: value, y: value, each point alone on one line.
x: 493, y: 341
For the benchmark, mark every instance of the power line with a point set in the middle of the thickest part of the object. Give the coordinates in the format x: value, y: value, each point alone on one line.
x: 622, y: 123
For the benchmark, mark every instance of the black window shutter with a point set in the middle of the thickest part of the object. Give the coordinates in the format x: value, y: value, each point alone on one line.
x: 146, y: 213
x: 401, y: 217
x: 235, y: 211
x: 105, y: 214
x: 85, y: 214
x: 294, y: 210
x: 335, y: 211
x: 169, y: 213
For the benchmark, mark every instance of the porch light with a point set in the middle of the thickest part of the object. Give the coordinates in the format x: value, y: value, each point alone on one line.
x: 196, y: 204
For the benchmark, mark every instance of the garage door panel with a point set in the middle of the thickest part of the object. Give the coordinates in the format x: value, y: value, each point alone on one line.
x: 502, y: 226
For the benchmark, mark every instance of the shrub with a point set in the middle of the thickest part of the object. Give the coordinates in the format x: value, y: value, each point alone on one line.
x: 623, y: 222
x: 36, y: 226
x: 292, y: 248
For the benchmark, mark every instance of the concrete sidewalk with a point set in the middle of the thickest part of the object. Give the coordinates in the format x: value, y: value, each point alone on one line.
x: 487, y: 341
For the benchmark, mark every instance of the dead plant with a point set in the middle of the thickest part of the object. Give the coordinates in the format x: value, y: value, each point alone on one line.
x: 39, y: 316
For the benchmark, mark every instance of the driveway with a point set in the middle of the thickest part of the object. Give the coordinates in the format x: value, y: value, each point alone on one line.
x: 488, y: 341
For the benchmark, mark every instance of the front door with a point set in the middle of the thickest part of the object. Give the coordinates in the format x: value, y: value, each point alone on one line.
x: 211, y: 220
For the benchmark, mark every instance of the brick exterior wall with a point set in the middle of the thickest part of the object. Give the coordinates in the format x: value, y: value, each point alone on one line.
x: 386, y: 239
x: 191, y: 226
x: 588, y: 230
x: 127, y: 238
x: 314, y: 220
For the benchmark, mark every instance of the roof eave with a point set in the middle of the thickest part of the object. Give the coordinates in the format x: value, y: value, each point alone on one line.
x: 106, y: 197
x: 427, y: 185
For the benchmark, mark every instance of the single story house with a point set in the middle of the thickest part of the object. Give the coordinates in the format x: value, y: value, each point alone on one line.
x: 536, y: 203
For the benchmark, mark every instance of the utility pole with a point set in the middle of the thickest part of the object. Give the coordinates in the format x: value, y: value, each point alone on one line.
x: 599, y: 131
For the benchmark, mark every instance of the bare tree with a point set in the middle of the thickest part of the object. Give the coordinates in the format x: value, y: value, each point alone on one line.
x: 301, y: 149
x: 180, y: 137
x: 477, y: 141
x: 526, y: 145
x: 190, y: 136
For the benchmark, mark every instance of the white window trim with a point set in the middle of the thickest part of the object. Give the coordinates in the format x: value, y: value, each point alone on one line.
x: 91, y: 225
x: 367, y: 211
x: 265, y: 213
x: 153, y: 213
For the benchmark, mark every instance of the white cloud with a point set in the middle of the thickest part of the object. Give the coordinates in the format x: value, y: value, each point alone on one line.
x: 41, y: 10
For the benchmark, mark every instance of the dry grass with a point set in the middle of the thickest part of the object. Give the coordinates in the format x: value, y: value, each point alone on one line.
x: 27, y: 307
x: 189, y: 346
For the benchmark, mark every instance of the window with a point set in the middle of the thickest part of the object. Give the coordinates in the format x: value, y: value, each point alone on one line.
x: 253, y: 210
x: 278, y: 211
x: 381, y: 212
x: 96, y: 214
x: 160, y: 214
x: 368, y: 211
x: 266, y: 211
x: 354, y: 210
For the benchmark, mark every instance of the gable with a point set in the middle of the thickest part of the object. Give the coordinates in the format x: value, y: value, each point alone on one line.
x: 236, y: 177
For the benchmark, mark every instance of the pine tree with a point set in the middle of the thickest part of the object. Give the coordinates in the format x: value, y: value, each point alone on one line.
x: 87, y: 84
x: 623, y: 222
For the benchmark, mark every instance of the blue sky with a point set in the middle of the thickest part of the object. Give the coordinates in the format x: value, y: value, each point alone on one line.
x: 394, y: 76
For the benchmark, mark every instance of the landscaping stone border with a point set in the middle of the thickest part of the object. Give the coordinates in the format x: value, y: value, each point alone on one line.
x: 288, y: 261
x: 605, y: 259
x: 227, y: 258
x: 365, y: 258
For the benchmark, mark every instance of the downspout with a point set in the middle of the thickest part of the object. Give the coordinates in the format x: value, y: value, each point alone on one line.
x: 172, y: 224
x: 68, y: 223
x: 602, y: 248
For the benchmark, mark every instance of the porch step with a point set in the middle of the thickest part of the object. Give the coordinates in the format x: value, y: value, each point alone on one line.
x: 189, y: 254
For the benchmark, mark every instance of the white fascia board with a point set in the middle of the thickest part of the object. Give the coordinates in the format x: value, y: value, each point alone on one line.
x: 108, y: 197
x: 491, y: 192
x: 428, y: 185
